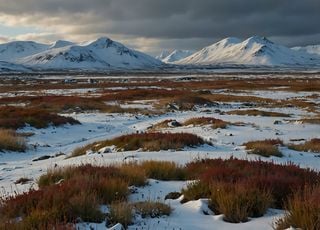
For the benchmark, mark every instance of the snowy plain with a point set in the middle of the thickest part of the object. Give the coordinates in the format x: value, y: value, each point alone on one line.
x: 228, y: 142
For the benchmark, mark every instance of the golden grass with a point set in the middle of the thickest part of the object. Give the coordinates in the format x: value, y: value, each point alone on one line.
x: 11, y: 141
x: 239, y: 201
x: 303, y: 211
x: 199, y: 121
x: 120, y: 212
x: 265, y: 148
x: 312, y: 145
x: 163, y: 170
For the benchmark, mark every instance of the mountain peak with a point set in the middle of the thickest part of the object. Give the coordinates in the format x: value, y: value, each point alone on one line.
x: 229, y: 40
x: 60, y: 44
x: 259, y: 39
x: 254, y: 51
x: 177, y: 55
x: 102, y: 42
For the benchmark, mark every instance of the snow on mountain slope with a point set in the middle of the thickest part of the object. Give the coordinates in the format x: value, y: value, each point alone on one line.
x: 10, y: 67
x: 68, y: 57
x: 60, y: 44
x: 100, y: 54
x: 19, y: 49
x: 119, y: 56
x: 177, y: 55
x: 253, y: 51
x: 312, y: 49
x: 163, y: 55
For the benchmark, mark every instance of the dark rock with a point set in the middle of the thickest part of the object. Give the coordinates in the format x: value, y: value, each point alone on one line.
x: 173, y: 195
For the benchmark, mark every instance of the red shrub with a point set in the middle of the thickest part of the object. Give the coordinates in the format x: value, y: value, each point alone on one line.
x: 281, y: 180
x: 13, y: 117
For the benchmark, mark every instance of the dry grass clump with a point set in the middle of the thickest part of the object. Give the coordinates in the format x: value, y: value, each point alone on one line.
x: 312, y: 120
x: 265, y: 148
x: 196, y: 190
x: 152, y: 209
x: 241, y: 189
x: 123, y: 212
x: 163, y: 170
x: 120, y: 212
x: 146, y: 141
x: 14, y: 118
x: 239, y: 201
x: 198, y: 121
x: 255, y: 112
x: 303, y: 211
x: 312, y: 145
x: 11, y: 141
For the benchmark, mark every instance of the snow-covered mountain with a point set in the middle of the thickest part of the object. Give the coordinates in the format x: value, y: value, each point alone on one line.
x: 18, y: 49
x: 255, y: 51
x: 177, y: 55
x: 100, y: 54
x: 61, y: 43
x: 10, y: 67
x: 163, y: 55
x: 312, y: 49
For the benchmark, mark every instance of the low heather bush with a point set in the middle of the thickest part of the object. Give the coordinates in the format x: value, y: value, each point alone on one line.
x: 14, y: 118
x: 280, y: 180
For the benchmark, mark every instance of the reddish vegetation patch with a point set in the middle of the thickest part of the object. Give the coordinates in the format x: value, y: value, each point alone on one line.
x: 141, y: 94
x: 66, y: 195
x: 280, y: 180
x: 13, y: 117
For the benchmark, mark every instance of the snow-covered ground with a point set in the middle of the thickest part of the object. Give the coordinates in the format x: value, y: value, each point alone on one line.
x: 227, y: 142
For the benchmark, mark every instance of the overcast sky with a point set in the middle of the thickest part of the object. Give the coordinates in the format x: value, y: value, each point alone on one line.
x: 155, y: 25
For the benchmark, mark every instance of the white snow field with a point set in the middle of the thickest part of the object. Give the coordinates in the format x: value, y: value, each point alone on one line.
x: 226, y: 143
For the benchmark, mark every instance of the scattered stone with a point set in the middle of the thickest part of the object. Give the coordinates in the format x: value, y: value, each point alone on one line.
x: 45, y: 157
x: 277, y: 122
x: 174, y: 124
x: 59, y: 154
x: 301, y: 139
x: 23, y: 180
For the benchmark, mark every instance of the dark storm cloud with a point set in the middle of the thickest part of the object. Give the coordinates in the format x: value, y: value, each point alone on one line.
x: 176, y: 19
